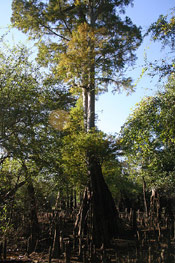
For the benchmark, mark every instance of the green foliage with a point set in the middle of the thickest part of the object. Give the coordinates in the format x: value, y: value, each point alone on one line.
x: 5, y: 224
x: 30, y: 146
x: 120, y: 184
x: 77, y: 143
x: 74, y: 153
x: 163, y: 30
x: 25, y: 105
x: 148, y: 139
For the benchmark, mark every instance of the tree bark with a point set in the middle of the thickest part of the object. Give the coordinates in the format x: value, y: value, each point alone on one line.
x: 85, y: 105
x: 32, y: 241
x: 144, y: 197
x: 33, y: 218
x: 91, y: 98
x: 105, y: 216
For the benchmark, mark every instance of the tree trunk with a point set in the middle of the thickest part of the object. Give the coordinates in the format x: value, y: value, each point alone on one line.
x: 85, y: 105
x: 32, y: 241
x: 33, y: 218
x: 105, y: 216
x: 56, y: 242
x: 91, y: 109
x: 81, y: 220
x: 144, y: 197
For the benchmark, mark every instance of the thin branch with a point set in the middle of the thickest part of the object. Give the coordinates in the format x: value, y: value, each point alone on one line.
x: 13, y: 191
x: 64, y: 19
x: 53, y: 32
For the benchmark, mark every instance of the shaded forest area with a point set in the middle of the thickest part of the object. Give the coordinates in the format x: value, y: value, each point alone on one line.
x: 68, y: 191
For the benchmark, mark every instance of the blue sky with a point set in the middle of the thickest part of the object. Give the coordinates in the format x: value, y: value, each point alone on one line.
x: 113, y: 110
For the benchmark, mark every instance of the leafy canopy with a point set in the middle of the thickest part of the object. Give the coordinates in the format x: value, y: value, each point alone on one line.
x: 74, y: 35
x: 27, y: 100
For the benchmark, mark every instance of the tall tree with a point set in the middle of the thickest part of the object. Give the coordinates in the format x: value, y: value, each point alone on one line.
x: 92, y: 47
x: 87, y: 44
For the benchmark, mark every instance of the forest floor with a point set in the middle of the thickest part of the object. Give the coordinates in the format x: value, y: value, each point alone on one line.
x: 151, y: 243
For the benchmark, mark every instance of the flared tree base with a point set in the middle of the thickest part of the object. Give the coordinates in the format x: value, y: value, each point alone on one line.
x: 97, y: 215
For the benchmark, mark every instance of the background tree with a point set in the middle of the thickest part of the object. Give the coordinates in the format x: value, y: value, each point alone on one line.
x: 148, y: 140
x: 93, y: 45
x: 27, y: 138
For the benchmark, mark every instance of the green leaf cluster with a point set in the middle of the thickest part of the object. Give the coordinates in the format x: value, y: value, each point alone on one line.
x: 163, y: 31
